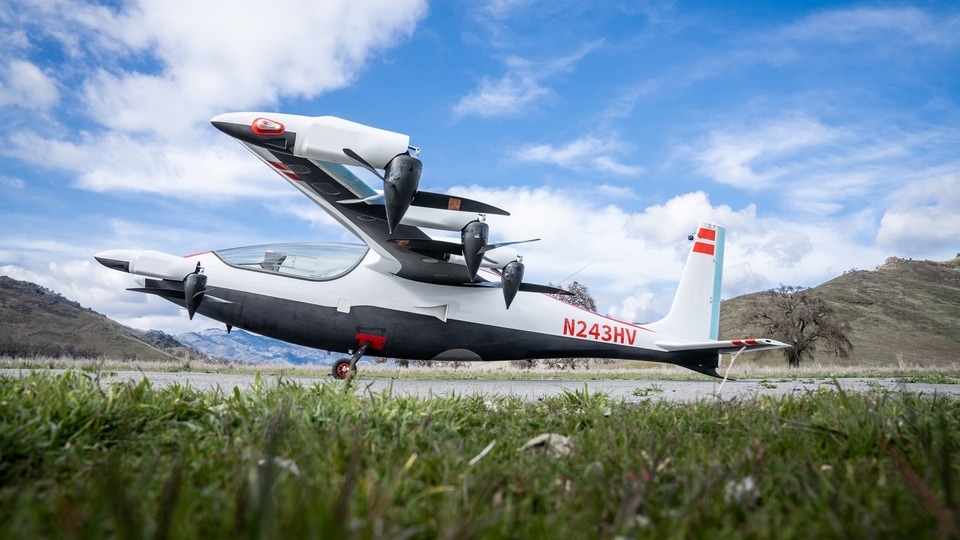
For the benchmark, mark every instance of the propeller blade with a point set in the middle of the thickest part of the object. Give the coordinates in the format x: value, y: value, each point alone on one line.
x: 490, y: 247
x: 356, y: 157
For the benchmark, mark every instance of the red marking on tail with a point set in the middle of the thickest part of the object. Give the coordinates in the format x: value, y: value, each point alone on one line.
x: 701, y: 247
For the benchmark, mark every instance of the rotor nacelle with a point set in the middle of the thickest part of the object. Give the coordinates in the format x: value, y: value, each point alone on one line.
x: 400, y: 183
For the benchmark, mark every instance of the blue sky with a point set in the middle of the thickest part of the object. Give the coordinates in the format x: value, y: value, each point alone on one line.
x: 824, y: 135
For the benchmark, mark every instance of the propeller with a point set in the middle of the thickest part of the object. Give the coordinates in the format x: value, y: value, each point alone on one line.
x: 511, y: 282
x: 473, y: 246
x: 474, y: 239
x: 401, y: 179
x: 511, y: 278
x: 194, y: 287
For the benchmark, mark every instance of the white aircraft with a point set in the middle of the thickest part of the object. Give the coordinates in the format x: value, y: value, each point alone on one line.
x: 404, y: 293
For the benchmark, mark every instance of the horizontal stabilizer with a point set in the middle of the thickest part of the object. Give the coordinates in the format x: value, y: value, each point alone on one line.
x: 730, y: 346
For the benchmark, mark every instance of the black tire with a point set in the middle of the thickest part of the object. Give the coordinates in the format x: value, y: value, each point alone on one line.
x: 341, y: 368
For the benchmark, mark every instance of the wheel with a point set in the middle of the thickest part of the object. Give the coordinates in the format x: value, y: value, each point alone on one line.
x: 341, y: 368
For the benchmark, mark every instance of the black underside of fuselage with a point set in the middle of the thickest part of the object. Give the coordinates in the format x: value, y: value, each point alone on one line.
x: 413, y: 336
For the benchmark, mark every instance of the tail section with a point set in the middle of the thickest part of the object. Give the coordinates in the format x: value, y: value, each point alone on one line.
x: 691, y: 328
x: 695, y: 313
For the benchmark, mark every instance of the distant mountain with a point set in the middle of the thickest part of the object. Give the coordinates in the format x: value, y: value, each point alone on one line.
x: 904, y: 309
x: 38, y: 322
x: 241, y: 346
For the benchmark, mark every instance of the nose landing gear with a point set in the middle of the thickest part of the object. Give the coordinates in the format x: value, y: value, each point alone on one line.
x: 347, y: 367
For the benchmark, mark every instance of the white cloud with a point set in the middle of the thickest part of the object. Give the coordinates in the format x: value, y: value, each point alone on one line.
x: 520, y: 88
x: 641, y: 307
x: 756, y: 158
x: 122, y: 162
x: 924, y: 218
x: 211, y: 59
x: 897, y: 24
x: 584, y: 154
x: 633, y: 259
x: 153, y: 73
x: 23, y: 84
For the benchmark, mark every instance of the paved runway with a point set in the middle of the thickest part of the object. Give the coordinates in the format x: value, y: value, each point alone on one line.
x: 627, y: 390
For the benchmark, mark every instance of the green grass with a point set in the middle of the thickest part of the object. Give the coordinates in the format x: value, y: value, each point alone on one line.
x: 81, y: 459
x: 931, y: 378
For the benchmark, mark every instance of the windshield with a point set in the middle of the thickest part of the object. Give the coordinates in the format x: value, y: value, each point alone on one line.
x: 310, y: 260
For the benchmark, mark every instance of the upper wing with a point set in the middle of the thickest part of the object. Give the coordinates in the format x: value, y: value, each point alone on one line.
x: 310, y: 152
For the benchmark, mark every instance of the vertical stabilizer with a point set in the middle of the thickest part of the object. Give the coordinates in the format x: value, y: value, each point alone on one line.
x: 695, y: 313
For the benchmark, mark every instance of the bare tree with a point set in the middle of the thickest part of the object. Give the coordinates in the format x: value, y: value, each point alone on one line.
x: 801, y: 317
x: 581, y: 296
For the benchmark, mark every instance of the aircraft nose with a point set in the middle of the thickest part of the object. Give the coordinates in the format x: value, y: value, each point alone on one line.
x: 276, y: 131
x: 114, y: 259
x: 233, y: 124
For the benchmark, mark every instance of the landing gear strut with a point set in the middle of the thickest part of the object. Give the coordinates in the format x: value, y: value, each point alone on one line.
x: 344, y: 367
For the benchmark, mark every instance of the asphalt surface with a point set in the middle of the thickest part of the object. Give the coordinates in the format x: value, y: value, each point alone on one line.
x: 627, y: 390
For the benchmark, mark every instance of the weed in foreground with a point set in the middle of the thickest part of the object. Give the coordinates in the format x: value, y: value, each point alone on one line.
x: 79, y: 459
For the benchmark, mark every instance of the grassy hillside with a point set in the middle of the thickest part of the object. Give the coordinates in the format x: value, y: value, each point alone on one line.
x: 904, y: 311
x: 35, y: 321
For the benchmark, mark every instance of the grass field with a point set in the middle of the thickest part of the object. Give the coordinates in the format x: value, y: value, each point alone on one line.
x: 79, y: 459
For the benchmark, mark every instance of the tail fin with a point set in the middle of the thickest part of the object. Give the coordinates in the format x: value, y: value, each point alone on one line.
x: 695, y: 314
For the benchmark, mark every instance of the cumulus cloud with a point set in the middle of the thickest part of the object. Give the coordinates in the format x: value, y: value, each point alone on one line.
x: 641, y: 307
x: 631, y: 260
x: 211, y: 59
x: 521, y: 87
x: 157, y: 71
x: 924, y: 218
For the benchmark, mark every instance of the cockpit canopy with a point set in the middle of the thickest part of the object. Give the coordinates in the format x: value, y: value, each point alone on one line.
x: 308, y: 260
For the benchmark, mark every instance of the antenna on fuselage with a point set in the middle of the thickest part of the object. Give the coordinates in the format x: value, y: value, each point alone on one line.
x: 582, y: 268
